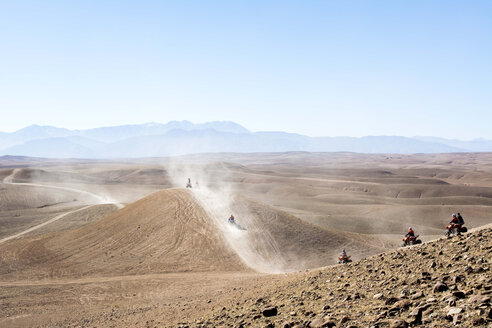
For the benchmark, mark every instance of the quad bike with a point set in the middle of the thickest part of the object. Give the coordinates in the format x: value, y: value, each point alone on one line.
x: 344, y: 259
x: 188, y: 185
x: 454, y: 229
x: 233, y: 223
x: 411, y: 240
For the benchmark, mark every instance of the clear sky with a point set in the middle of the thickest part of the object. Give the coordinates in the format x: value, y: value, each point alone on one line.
x: 331, y: 68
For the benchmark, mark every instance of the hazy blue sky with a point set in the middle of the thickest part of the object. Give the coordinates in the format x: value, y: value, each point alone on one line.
x: 312, y: 67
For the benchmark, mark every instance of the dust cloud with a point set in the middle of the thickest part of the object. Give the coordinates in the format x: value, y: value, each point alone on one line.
x: 218, y: 197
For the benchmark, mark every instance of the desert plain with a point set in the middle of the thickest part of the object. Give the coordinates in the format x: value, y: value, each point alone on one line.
x: 123, y: 243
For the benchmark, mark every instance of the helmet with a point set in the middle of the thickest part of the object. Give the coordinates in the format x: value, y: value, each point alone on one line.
x: 454, y: 215
x: 410, y: 228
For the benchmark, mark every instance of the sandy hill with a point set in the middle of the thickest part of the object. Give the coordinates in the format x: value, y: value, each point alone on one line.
x: 170, y: 231
x: 164, y: 232
x: 288, y: 243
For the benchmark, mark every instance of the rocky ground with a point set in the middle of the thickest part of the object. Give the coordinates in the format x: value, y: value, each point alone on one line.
x: 443, y: 283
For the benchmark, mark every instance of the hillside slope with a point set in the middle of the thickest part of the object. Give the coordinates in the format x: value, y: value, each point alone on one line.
x: 164, y: 232
x: 442, y: 283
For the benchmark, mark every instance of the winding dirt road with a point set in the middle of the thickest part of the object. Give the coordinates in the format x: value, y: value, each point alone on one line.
x: 10, y: 180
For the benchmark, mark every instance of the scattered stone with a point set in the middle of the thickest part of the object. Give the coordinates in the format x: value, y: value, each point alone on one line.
x: 344, y: 320
x: 479, y: 321
x: 399, y: 324
x: 459, y: 294
x: 270, y: 311
x: 456, y: 279
x: 417, y: 295
x: 416, y: 316
x: 440, y: 287
x: 479, y: 299
x: 321, y: 323
x: 391, y: 300
x: 402, y: 304
x: 454, y: 310
x: 377, y: 296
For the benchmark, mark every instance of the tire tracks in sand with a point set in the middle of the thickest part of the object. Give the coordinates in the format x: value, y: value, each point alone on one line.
x: 10, y: 180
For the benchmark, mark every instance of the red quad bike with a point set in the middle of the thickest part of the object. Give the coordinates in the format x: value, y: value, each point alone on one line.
x: 344, y: 259
x: 407, y: 241
x: 454, y: 229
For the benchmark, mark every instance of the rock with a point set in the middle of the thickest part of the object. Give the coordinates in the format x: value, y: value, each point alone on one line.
x: 454, y: 310
x: 459, y: 294
x: 440, y: 287
x: 321, y: 323
x: 382, y: 314
x: 270, y: 311
x: 416, y: 316
x: 479, y: 321
x: 479, y: 299
x: 391, y: 300
x: 457, y: 319
x: 377, y: 296
x: 451, y: 301
x: 344, y: 320
x: 456, y: 279
x: 417, y: 295
x: 402, y: 304
x: 399, y: 324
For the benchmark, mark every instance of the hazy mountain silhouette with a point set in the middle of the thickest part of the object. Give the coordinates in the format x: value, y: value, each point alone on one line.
x: 184, y: 137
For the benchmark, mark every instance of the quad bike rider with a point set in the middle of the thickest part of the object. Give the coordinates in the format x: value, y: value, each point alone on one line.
x: 232, y: 222
x: 410, y: 238
x: 343, y: 258
x: 188, y: 184
x: 455, y: 225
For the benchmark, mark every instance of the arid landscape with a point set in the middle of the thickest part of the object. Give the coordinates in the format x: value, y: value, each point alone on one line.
x: 99, y: 243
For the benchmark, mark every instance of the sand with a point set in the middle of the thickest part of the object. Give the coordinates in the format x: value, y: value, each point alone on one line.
x: 85, y: 242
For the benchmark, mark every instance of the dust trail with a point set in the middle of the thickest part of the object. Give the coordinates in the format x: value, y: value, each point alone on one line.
x: 58, y: 217
x: 255, y: 246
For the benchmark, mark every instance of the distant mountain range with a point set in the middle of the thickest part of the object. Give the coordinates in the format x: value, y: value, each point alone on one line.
x: 184, y: 137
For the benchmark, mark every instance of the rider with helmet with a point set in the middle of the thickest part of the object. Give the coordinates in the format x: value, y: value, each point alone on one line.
x: 410, y: 238
x: 344, y: 258
x: 455, y: 224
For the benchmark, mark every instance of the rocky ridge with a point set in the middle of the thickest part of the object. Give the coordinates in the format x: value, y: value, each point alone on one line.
x: 443, y: 283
